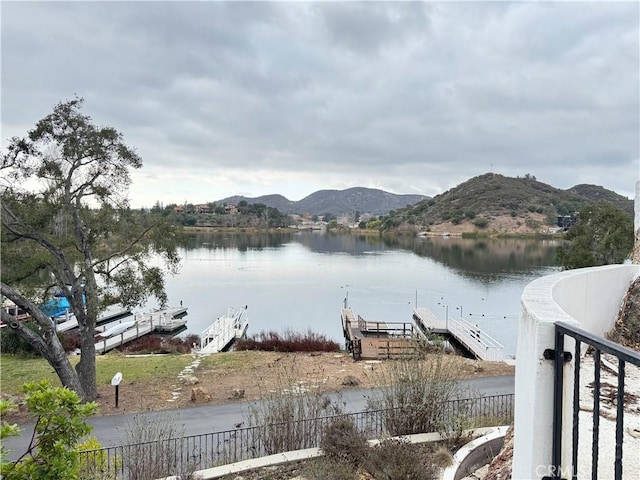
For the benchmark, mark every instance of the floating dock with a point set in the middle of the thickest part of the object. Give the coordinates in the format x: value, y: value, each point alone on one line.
x: 111, y: 313
x: 161, y: 321
x: 373, y: 340
x: 469, y: 336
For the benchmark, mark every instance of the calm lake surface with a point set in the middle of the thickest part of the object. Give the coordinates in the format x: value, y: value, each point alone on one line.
x: 300, y: 281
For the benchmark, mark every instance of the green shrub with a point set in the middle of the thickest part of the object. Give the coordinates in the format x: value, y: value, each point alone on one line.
x: 59, y: 424
x: 481, y: 222
x: 94, y: 462
x: 327, y: 469
x: 11, y: 342
x: 290, y: 341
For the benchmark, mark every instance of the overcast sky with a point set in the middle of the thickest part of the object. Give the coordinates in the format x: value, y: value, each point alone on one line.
x: 247, y: 98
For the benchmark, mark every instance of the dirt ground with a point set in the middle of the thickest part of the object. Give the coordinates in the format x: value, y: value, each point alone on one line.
x: 254, y: 375
x: 261, y: 371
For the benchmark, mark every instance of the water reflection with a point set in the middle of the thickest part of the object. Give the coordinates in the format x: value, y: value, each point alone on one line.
x: 480, y: 259
x: 484, y: 258
x: 240, y: 241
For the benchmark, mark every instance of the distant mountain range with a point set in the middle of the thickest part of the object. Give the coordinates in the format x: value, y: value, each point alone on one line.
x: 336, y: 202
x: 489, y: 195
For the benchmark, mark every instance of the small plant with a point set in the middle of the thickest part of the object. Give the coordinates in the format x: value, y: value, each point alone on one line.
x: 342, y: 442
x: 415, y: 392
x: 155, y: 447
x: 289, y: 414
x: 396, y: 459
x: 94, y: 461
x: 328, y: 469
x: 455, y: 430
x: 6, y: 430
x: 481, y: 222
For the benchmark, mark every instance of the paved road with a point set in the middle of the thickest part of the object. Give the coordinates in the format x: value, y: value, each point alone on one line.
x: 111, y: 430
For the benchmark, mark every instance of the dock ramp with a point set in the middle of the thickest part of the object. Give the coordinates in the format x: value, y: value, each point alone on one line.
x: 477, y: 342
x: 224, y: 331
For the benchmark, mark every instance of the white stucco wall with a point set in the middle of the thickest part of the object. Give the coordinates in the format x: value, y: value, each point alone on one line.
x: 590, y: 299
x: 636, y: 223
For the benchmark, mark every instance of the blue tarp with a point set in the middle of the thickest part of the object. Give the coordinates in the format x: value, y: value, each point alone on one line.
x: 56, y: 307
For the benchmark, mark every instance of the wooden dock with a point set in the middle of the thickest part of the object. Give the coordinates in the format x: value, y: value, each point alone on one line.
x: 369, y: 340
x: 477, y: 342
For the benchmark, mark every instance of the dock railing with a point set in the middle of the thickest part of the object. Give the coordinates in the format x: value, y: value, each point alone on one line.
x: 387, y: 329
x: 475, y: 340
x: 221, y: 332
x: 216, y: 336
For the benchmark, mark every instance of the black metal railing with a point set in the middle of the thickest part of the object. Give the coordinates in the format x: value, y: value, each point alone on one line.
x: 560, y: 357
x: 181, y: 456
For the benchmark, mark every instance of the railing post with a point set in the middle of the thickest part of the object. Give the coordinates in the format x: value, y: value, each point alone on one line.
x: 556, y: 452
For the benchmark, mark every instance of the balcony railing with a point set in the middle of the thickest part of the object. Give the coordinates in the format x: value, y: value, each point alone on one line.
x: 560, y: 357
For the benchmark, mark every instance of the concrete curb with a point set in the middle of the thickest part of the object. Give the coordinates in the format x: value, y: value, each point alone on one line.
x: 475, y: 454
x: 308, y: 453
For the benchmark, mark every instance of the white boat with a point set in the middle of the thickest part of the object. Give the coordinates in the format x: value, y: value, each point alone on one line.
x: 112, y: 312
x: 116, y: 329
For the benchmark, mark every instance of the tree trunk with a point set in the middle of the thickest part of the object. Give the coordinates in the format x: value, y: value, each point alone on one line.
x: 88, y: 314
x: 86, y: 367
x: 45, y: 342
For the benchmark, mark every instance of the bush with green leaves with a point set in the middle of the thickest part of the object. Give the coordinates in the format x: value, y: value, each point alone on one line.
x: 11, y: 342
x: 95, y: 463
x: 59, y: 416
x: 481, y: 222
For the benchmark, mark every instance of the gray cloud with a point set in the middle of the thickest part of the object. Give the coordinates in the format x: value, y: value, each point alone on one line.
x: 259, y: 97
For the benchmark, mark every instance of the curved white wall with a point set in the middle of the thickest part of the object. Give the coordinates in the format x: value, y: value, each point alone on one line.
x: 590, y: 299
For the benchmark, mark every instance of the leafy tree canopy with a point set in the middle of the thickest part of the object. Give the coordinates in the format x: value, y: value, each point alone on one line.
x: 602, y: 235
x: 67, y: 227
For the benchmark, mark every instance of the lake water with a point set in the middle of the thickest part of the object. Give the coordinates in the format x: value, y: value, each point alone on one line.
x: 300, y: 281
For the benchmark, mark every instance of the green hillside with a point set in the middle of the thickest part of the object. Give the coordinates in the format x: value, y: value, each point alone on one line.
x: 496, y: 203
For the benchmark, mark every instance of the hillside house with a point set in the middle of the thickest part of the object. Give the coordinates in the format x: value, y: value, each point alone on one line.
x: 202, y: 208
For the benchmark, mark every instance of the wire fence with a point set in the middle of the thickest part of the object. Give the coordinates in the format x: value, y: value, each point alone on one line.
x: 184, y: 455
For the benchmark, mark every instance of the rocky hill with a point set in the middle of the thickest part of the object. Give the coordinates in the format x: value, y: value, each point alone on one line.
x: 496, y: 203
x: 336, y: 202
